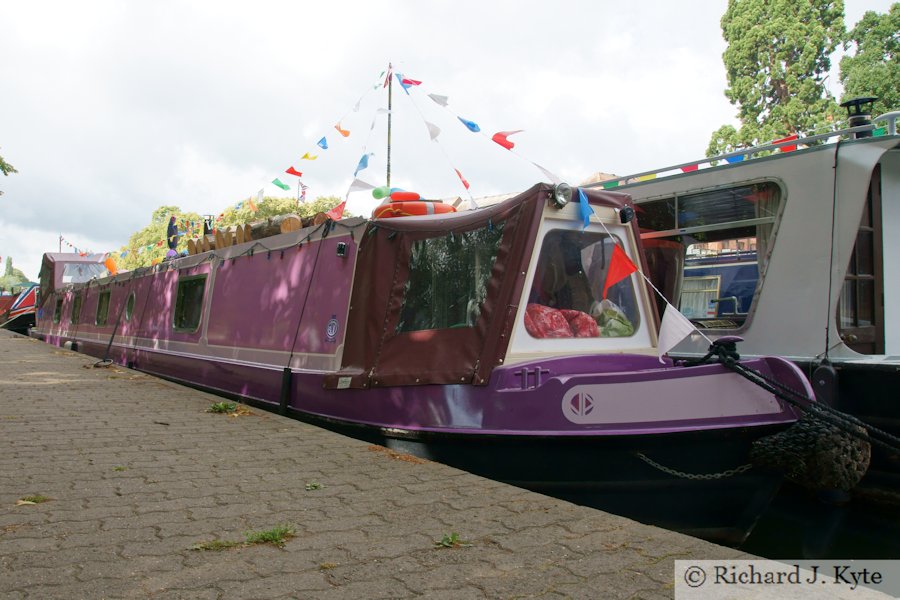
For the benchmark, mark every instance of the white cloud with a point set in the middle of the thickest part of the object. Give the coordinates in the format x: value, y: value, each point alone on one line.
x: 112, y: 109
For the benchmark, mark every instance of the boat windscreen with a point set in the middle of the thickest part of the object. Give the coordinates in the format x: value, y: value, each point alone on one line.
x: 81, y: 272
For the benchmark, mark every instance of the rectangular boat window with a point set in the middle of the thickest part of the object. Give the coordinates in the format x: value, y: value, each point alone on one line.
x: 448, y: 278
x: 189, y: 303
x: 57, y: 312
x: 567, y: 294
x: 102, y: 308
x: 724, y: 233
x: 76, y: 309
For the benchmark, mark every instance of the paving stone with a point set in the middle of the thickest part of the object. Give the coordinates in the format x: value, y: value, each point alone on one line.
x: 370, y: 532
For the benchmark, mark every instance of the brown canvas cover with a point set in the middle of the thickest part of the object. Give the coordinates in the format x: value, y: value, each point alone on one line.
x: 377, y: 354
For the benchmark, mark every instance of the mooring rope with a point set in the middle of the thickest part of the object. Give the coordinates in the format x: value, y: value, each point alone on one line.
x: 725, y: 352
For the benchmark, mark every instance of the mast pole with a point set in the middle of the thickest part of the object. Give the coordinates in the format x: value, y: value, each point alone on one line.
x: 390, y: 89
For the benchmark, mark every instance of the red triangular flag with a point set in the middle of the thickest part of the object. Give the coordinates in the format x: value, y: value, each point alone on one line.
x: 620, y: 267
x: 293, y: 171
x: 461, y: 178
x: 500, y: 138
x: 406, y: 81
x: 335, y: 213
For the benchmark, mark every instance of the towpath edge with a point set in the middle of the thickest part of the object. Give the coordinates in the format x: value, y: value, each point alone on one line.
x: 138, y: 473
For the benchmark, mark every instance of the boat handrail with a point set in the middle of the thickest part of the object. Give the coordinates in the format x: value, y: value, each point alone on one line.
x: 891, y: 129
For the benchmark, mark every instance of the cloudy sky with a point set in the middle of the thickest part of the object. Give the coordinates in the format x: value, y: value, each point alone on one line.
x: 111, y: 109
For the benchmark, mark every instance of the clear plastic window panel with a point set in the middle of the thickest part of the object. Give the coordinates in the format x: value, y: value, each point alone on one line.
x: 566, y: 299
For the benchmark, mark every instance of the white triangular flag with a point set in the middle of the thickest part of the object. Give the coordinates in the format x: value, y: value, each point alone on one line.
x: 360, y: 185
x: 442, y: 100
x: 433, y: 130
x: 259, y: 197
x: 550, y: 175
x: 674, y: 328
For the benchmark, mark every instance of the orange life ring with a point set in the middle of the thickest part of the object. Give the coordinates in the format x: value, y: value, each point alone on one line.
x: 411, y: 209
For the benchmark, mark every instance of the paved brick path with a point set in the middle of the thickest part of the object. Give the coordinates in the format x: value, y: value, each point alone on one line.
x: 137, y: 473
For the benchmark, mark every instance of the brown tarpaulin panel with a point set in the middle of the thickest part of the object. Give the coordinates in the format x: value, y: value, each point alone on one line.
x: 377, y: 355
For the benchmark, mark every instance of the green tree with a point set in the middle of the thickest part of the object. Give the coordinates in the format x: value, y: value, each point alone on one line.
x: 12, y: 277
x: 6, y: 169
x: 271, y: 207
x: 874, y: 69
x: 148, y: 246
x: 776, y: 62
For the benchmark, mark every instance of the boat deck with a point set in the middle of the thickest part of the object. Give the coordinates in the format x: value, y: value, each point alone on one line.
x: 138, y: 473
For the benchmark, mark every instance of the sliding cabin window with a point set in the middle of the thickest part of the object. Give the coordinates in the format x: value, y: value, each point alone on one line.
x: 726, y: 233
x: 129, y: 306
x: 57, y: 312
x: 566, y: 298
x: 102, y: 308
x: 76, y: 309
x: 189, y: 303
x: 448, y: 278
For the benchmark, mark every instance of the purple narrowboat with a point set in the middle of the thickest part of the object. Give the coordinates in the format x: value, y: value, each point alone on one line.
x: 499, y: 340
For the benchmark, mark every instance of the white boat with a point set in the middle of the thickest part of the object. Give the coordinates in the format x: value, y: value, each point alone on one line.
x: 816, y: 216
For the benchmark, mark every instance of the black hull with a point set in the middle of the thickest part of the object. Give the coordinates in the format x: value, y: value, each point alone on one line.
x: 20, y: 324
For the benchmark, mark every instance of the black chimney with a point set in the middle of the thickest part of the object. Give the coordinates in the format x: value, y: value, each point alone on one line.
x: 859, y: 110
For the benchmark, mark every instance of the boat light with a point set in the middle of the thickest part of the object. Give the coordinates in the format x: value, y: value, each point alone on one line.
x: 561, y: 194
x: 626, y: 214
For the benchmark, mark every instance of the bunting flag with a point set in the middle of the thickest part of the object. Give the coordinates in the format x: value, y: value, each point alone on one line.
x: 674, y: 328
x: 363, y: 163
x: 387, y: 80
x: 343, y: 132
x: 585, y: 210
x: 356, y: 106
x: 438, y: 99
x: 461, y: 178
x: 500, y: 138
x: 337, y: 212
x: 406, y: 82
x: 549, y: 175
x: 308, y: 156
x: 789, y: 148
x: 259, y: 196
x: 405, y: 86
x: 471, y: 125
x: 253, y: 207
x: 293, y: 171
x: 323, y: 143
x: 689, y: 168
x: 359, y: 185
x: 620, y: 267
x: 280, y: 184
x: 433, y: 130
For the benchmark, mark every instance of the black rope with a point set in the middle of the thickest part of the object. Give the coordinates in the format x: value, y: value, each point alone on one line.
x: 726, y: 353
